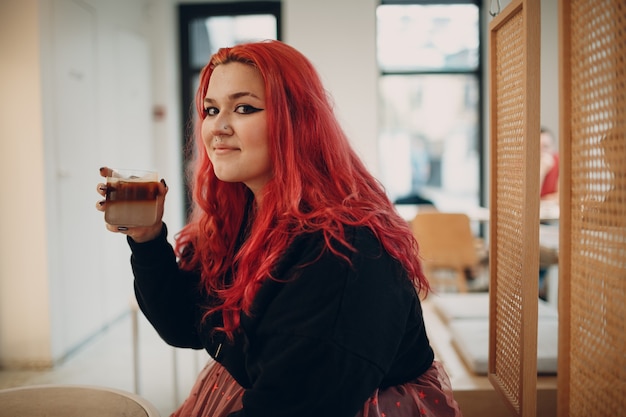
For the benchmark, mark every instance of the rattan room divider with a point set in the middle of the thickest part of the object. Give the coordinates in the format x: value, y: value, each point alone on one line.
x: 592, y: 249
x: 592, y: 236
x: 514, y: 37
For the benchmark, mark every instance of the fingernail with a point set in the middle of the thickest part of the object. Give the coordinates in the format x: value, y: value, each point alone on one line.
x: 102, y: 169
x: 163, y: 182
x: 101, y: 202
x: 122, y: 228
x: 103, y: 188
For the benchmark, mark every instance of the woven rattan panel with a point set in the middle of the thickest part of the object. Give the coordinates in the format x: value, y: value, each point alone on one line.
x: 597, y: 117
x: 514, y: 194
x: 509, y: 145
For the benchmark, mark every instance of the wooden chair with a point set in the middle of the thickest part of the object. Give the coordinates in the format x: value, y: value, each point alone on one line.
x: 447, y: 248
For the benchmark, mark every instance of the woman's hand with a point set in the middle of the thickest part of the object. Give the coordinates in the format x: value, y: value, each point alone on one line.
x: 138, y: 234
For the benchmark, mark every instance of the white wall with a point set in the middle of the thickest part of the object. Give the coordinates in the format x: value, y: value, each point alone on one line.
x: 550, y: 65
x: 63, y: 277
x: 24, y: 307
x: 163, y: 32
x: 339, y: 37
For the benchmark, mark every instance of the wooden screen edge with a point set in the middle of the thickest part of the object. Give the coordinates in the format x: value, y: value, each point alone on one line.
x: 530, y: 290
x: 565, y: 217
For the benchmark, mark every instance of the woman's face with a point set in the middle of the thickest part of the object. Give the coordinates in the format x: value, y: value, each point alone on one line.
x: 234, y: 128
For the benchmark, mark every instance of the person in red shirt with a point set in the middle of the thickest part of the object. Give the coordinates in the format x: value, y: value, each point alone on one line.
x: 548, y: 166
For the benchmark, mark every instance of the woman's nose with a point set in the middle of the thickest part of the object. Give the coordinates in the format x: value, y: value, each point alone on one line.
x: 221, y: 125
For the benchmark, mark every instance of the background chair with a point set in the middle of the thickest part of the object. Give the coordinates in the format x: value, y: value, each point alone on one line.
x: 447, y: 248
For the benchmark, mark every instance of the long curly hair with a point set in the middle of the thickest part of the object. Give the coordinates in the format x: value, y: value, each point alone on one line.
x: 319, y: 184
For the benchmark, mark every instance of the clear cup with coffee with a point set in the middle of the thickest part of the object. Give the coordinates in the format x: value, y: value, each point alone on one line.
x: 131, y: 198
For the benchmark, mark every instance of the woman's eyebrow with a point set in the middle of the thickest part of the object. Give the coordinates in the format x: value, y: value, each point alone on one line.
x: 235, y: 96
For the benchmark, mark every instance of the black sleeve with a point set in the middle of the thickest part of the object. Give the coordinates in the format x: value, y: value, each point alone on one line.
x: 167, y: 295
x: 328, y: 337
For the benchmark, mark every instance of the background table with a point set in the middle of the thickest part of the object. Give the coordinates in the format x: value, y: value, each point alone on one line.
x: 72, y: 401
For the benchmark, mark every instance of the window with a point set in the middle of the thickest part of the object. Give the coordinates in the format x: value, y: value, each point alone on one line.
x: 206, y: 27
x: 430, y: 101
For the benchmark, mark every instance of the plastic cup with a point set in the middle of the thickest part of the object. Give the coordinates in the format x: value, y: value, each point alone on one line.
x: 131, y: 198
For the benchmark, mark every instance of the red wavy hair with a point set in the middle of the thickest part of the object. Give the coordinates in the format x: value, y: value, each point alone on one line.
x: 318, y: 184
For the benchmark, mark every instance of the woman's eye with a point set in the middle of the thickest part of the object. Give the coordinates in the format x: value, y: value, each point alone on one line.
x: 210, y: 111
x: 246, y: 109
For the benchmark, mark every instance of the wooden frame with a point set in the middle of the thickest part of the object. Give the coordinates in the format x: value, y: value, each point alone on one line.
x: 514, y: 37
x: 565, y: 221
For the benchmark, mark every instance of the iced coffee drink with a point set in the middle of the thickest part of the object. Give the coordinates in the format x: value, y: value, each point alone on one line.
x: 131, y: 198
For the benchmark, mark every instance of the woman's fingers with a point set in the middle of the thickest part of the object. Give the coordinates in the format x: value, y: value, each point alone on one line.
x: 118, y: 229
x: 106, y: 171
x: 102, y: 189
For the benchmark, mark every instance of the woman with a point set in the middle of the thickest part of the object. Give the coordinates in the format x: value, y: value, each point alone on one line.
x: 294, y: 272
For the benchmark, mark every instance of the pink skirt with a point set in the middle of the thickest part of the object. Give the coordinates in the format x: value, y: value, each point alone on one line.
x: 216, y: 394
